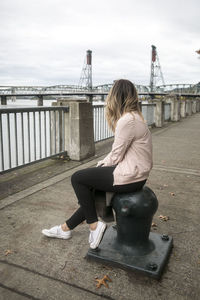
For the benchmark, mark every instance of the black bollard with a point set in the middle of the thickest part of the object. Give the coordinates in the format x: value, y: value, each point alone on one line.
x: 130, y: 244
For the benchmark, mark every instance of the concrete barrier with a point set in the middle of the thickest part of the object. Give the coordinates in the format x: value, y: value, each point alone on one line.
x: 79, y: 132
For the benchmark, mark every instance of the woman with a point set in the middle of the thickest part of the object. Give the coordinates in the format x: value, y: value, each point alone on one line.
x: 125, y: 169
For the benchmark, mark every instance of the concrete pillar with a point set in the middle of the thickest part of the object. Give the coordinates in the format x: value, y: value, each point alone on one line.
x: 188, y: 107
x: 194, y: 106
x: 183, y: 108
x: 79, y: 131
x: 159, y: 113
x: 3, y: 100
x: 198, y: 104
x: 40, y: 100
x: 175, y: 108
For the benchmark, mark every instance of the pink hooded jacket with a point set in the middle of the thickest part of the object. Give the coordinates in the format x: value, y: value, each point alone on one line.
x: 131, y: 150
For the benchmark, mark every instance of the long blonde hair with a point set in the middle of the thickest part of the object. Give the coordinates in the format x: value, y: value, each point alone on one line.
x: 121, y: 99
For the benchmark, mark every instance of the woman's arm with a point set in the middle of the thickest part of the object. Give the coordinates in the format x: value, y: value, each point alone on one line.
x: 124, y: 135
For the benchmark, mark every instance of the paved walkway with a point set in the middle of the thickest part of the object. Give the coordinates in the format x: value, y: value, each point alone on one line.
x: 35, y: 267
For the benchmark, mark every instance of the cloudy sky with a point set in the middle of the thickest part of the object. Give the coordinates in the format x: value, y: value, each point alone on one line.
x: 44, y: 42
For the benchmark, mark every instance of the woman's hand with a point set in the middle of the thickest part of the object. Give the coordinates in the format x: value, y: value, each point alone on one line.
x: 100, y: 164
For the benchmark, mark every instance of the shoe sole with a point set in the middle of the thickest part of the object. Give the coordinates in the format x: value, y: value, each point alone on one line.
x: 55, y: 236
x: 100, y: 236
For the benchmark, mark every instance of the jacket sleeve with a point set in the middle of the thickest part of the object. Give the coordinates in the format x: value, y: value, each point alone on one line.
x: 124, y: 135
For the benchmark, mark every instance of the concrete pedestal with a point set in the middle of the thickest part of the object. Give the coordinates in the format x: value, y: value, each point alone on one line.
x: 183, y: 108
x: 159, y: 113
x: 188, y: 107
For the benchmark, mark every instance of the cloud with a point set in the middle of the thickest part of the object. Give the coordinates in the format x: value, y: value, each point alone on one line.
x: 46, y: 41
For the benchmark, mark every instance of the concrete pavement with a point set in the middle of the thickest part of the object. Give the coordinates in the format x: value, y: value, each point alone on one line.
x: 40, y: 268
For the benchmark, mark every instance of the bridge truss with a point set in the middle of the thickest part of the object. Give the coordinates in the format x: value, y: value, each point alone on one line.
x: 104, y: 88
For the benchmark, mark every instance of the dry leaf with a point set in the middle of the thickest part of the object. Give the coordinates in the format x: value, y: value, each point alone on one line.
x: 154, y: 224
x: 164, y: 218
x: 172, y: 194
x: 8, y: 252
x: 103, y: 281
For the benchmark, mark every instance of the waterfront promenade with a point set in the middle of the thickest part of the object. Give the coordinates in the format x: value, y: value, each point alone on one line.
x: 35, y: 267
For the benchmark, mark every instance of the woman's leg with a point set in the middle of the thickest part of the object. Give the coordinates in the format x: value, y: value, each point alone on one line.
x: 77, y: 218
x: 100, y: 178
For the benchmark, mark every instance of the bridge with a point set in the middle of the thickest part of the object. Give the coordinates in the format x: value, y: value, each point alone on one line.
x: 99, y: 89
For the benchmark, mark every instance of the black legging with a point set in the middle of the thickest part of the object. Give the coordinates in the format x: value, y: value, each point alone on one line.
x: 99, y: 178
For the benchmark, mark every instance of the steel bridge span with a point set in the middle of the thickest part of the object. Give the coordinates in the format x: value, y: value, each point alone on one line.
x: 99, y: 89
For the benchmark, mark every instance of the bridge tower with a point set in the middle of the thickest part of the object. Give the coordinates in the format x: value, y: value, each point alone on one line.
x: 86, y: 73
x: 156, y: 72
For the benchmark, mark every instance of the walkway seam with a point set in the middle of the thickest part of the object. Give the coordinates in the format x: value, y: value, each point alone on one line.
x: 54, y: 279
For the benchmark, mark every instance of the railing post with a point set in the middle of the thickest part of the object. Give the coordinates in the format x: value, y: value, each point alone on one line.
x: 81, y: 132
x: 3, y: 100
x: 159, y: 115
x: 183, y: 108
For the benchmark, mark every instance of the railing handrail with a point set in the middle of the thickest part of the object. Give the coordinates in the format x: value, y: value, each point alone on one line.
x: 33, y: 109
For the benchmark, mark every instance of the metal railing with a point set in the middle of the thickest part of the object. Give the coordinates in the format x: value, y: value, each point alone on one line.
x: 101, y: 129
x: 148, y: 111
x: 31, y: 134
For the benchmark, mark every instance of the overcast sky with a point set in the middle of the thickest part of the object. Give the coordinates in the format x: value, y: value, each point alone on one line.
x: 44, y: 42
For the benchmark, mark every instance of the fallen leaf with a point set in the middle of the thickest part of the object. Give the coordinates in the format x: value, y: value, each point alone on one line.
x: 8, y: 252
x: 154, y: 224
x: 164, y: 218
x: 103, y: 281
x: 172, y: 194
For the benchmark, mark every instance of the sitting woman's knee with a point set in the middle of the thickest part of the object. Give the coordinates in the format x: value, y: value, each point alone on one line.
x: 75, y: 177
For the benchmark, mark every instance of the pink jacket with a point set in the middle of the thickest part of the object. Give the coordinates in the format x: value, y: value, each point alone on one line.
x: 131, y: 150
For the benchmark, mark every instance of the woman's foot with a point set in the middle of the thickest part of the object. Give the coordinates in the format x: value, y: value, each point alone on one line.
x: 96, y: 235
x: 57, y: 232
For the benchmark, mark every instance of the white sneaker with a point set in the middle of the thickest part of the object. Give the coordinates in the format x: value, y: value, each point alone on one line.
x: 57, y: 232
x: 96, y: 235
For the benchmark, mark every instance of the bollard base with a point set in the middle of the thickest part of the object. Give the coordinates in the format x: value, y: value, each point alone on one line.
x: 111, y: 252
